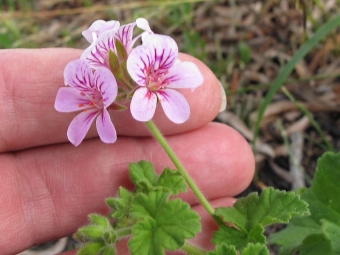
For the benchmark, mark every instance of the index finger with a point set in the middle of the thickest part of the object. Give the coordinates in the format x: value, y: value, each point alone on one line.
x: 30, y: 80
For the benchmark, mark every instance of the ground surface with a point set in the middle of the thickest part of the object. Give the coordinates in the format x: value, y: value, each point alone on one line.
x: 245, y: 43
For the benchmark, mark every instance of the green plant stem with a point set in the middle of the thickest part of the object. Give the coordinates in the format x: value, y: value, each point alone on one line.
x: 123, y: 232
x: 201, y: 198
x: 192, y: 249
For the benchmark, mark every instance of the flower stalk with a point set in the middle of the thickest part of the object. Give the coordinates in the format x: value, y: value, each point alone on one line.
x: 162, y: 141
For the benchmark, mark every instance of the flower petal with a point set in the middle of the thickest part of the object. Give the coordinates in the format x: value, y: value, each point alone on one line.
x: 105, y: 128
x: 97, y: 54
x: 184, y: 75
x: 174, y: 105
x: 78, y: 74
x: 124, y: 35
x: 143, y: 104
x: 164, y: 50
x: 138, y: 64
x: 106, y: 84
x: 144, y: 25
x: 98, y: 27
x: 157, y: 54
x: 80, y: 125
x: 70, y: 100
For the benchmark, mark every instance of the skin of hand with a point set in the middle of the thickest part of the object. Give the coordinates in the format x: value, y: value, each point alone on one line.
x: 48, y: 186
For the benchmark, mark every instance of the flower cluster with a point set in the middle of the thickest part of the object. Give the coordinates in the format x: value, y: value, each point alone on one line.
x: 111, y: 74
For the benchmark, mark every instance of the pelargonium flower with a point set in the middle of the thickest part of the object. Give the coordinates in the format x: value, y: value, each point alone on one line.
x: 155, y: 68
x: 91, y: 92
x: 97, y: 54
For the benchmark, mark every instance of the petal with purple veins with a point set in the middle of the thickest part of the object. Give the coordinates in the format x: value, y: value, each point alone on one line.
x: 138, y: 64
x: 106, y: 84
x: 184, y: 75
x: 97, y: 54
x: 80, y: 125
x: 124, y: 35
x: 71, y: 100
x: 174, y: 105
x: 143, y: 104
x: 105, y: 128
x: 164, y: 50
x: 78, y: 74
x: 98, y: 27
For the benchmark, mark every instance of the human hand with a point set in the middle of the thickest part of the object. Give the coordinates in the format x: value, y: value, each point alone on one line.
x: 48, y: 186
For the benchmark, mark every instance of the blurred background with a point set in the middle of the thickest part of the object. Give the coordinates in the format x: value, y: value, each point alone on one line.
x: 245, y: 43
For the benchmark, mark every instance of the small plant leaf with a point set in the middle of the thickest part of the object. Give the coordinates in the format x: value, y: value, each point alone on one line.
x: 323, y: 225
x: 252, y: 213
x: 332, y: 233
x: 255, y: 249
x: 172, y: 180
x: 165, y: 224
x: 223, y: 249
x: 231, y: 236
x: 143, y: 174
x: 145, y: 178
x: 316, y: 244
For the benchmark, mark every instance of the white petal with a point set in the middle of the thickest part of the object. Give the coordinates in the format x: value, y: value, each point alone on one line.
x: 164, y: 50
x: 143, y: 104
x: 78, y: 74
x: 156, y: 55
x: 174, y: 105
x: 98, y: 27
x: 184, y: 75
x: 105, y: 128
x: 97, y: 54
x: 143, y: 24
x: 106, y: 84
x: 80, y: 125
x: 124, y: 35
x: 138, y: 64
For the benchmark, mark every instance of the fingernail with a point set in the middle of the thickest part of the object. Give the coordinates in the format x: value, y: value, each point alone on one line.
x: 224, y: 99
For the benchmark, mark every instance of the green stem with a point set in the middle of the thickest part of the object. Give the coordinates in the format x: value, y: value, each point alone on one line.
x: 201, y: 198
x: 123, y: 232
x: 192, y: 249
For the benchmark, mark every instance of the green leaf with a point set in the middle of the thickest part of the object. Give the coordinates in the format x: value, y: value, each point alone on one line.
x: 223, y: 249
x: 231, y: 236
x: 316, y: 245
x: 252, y: 213
x: 323, y: 31
x: 172, y: 180
x: 166, y: 224
x: 324, y: 204
x: 332, y: 232
x: 91, y: 249
x: 143, y: 174
x: 145, y: 178
x: 255, y: 249
x: 272, y: 206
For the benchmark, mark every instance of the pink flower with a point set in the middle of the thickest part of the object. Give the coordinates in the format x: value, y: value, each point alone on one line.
x: 155, y: 68
x: 97, y: 54
x: 91, y: 92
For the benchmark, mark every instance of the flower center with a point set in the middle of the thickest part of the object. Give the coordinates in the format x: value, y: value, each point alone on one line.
x: 156, y: 81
